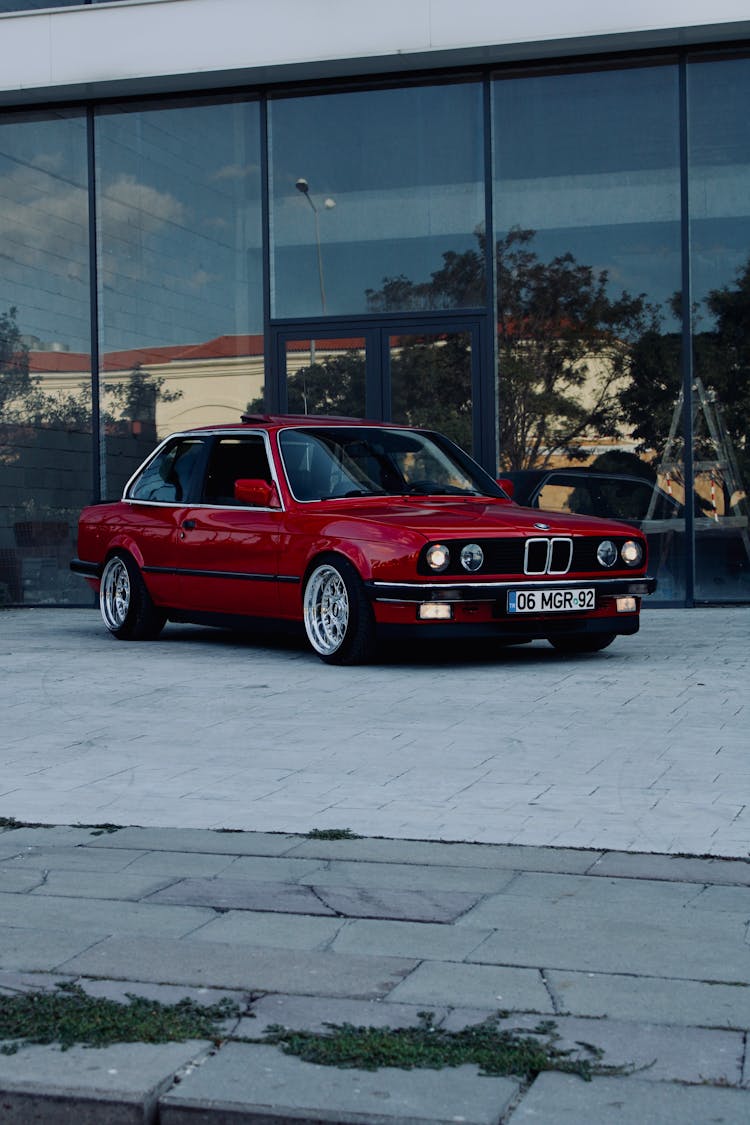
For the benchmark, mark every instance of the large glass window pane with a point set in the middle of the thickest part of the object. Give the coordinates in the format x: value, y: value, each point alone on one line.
x: 181, y: 309
x: 587, y: 207
x: 45, y: 368
x: 719, y: 130
x: 431, y: 382
x: 35, y: 5
x: 377, y: 197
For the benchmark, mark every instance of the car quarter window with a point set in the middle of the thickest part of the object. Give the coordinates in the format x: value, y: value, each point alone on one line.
x: 232, y: 459
x: 170, y: 476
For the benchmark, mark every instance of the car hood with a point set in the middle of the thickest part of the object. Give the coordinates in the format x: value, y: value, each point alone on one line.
x: 464, y: 519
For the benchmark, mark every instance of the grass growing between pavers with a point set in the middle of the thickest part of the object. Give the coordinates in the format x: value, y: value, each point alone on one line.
x: 331, y: 834
x: 11, y: 822
x: 495, y: 1051
x: 68, y: 1016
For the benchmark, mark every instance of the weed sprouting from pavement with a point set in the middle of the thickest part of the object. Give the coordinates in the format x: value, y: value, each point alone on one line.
x: 69, y: 1016
x: 495, y: 1051
x: 332, y: 834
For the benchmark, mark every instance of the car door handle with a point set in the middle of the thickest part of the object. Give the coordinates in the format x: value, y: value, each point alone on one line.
x: 188, y: 524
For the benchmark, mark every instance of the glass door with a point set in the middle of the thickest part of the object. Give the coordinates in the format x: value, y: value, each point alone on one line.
x: 431, y: 382
x: 418, y: 374
x: 323, y: 374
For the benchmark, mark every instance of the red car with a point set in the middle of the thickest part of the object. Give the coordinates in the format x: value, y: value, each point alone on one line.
x: 355, y: 529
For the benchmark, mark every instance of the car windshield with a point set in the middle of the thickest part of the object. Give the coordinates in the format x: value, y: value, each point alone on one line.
x: 323, y: 463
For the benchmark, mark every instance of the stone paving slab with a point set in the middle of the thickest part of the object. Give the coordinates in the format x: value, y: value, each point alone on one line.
x: 117, y: 1085
x: 29, y: 949
x: 561, y: 1099
x: 685, y: 868
x: 45, y: 836
x: 407, y: 906
x: 271, y: 931
x: 196, y: 840
x: 95, y: 884
x: 314, y: 1013
x: 480, y: 986
x: 564, y: 935
x: 274, y: 868
x: 12, y: 980
x: 73, y: 858
x: 656, y: 1053
x: 493, y: 856
x: 724, y: 900
x: 424, y: 940
x: 101, y: 917
x: 650, y: 999
x: 401, y: 876
x: 605, y: 893
x: 177, y: 864
x: 226, y: 966
x: 18, y: 882
x: 242, y: 894
x: 255, y: 1084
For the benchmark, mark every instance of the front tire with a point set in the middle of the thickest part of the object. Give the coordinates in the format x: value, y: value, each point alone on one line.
x: 589, y: 643
x: 337, y: 614
x: 125, y: 604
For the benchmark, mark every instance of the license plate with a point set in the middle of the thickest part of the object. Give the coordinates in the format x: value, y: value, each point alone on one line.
x: 551, y: 601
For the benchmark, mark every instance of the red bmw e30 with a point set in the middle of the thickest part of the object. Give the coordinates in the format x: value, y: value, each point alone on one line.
x: 357, y: 530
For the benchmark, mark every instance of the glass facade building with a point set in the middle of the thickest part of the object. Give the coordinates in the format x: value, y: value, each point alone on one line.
x: 550, y: 262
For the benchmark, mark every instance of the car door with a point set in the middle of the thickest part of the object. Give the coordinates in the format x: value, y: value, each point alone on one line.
x: 157, y: 499
x: 228, y: 551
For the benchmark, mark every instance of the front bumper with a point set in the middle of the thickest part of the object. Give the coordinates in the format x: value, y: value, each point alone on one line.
x: 418, y: 592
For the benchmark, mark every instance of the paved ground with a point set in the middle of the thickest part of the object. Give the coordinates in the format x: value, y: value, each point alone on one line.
x: 642, y: 749
x: 643, y: 957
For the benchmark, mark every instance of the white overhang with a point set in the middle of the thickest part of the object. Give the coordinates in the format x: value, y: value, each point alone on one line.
x: 155, y: 46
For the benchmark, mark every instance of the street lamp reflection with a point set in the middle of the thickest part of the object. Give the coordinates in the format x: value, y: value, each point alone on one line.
x: 303, y: 186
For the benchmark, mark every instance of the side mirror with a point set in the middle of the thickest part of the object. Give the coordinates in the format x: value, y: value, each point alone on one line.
x: 507, y: 485
x: 256, y: 493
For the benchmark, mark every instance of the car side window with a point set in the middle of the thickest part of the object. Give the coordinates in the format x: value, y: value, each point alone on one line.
x: 232, y: 459
x: 169, y: 477
x: 557, y: 495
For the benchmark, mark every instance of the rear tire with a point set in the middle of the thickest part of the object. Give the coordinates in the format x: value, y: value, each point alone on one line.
x: 593, y: 643
x: 337, y: 614
x: 124, y: 602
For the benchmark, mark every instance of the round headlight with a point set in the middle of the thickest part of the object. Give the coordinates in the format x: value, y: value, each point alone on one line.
x: 632, y: 552
x: 438, y: 556
x: 472, y: 557
x: 606, y: 553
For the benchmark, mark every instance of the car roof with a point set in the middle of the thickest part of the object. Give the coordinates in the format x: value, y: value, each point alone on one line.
x: 278, y: 421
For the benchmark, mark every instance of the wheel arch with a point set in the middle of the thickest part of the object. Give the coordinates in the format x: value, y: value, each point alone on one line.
x: 124, y: 545
x: 349, y: 552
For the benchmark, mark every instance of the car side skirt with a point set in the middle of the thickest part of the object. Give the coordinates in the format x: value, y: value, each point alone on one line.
x: 87, y: 569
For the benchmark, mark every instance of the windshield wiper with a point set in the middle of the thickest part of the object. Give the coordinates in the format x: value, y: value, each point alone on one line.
x: 430, y: 488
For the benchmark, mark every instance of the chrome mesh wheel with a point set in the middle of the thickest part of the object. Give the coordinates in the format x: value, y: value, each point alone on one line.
x: 326, y: 609
x: 114, y: 594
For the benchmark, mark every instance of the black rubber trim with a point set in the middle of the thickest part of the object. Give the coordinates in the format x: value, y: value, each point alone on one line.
x: 90, y: 569
x: 184, y: 572
x: 512, y: 631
